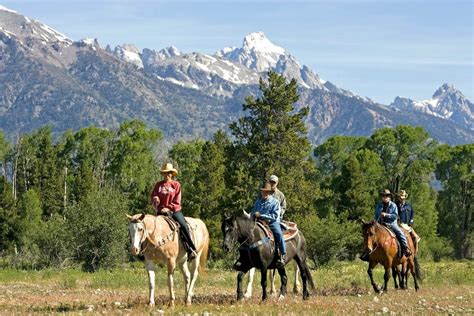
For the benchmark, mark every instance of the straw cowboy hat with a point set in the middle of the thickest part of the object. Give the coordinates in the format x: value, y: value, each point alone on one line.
x: 168, y: 167
x: 403, y: 194
x: 267, y: 187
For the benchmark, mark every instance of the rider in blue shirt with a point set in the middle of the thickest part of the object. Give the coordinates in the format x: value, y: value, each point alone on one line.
x: 268, y: 209
x: 386, y: 212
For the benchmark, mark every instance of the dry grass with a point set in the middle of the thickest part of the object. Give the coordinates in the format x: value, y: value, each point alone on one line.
x: 340, y: 289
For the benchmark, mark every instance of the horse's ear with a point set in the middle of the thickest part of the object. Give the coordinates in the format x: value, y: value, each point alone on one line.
x: 246, y: 214
x: 142, y: 216
x: 129, y: 217
x: 362, y: 221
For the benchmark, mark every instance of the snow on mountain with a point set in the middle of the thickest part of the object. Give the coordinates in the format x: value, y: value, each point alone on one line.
x: 23, y: 27
x: 257, y: 52
x: 129, y: 53
x: 210, y: 74
x: 447, y: 102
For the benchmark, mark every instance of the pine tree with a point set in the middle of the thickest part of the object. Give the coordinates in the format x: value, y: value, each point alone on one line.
x: 271, y: 139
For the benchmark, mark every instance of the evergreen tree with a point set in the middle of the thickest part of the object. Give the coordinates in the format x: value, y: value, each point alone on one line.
x: 271, y: 138
x: 456, y: 172
x: 132, y: 163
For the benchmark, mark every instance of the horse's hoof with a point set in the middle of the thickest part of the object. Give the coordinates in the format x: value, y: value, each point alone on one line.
x: 281, y: 297
x: 247, y: 295
x: 296, y: 290
x: 151, y: 304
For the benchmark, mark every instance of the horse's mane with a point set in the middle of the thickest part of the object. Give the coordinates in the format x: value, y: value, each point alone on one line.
x: 367, y: 225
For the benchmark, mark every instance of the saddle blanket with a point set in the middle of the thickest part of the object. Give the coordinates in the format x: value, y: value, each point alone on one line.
x: 289, y: 229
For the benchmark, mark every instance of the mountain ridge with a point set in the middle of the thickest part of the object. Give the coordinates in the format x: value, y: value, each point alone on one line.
x: 50, y: 79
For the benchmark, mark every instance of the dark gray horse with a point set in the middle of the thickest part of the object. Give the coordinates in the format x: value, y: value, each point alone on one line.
x: 256, y: 250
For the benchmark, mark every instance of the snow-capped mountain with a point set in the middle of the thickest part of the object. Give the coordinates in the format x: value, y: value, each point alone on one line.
x: 13, y: 23
x: 447, y: 102
x: 260, y: 54
x: 46, y: 78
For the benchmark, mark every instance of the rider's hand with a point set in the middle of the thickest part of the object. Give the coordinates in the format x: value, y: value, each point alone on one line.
x: 256, y: 214
x: 383, y: 214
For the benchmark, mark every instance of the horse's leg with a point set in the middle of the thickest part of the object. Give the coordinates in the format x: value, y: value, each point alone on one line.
x: 303, y: 268
x: 284, y: 280
x: 386, y: 277
x: 171, y: 264
x: 263, y: 282
x: 272, y: 279
x: 186, y: 276
x: 413, y: 264
x: 194, y: 275
x: 248, y: 292
x: 297, y: 286
x: 150, y: 268
x: 240, y: 276
x: 403, y: 276
x: 370, y: 273
x: 395, y: 275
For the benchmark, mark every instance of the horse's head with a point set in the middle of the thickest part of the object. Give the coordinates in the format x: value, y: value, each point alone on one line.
x: 137, y: 233
x: 369, y: 234
x: 229, y: 231
x: 237, y: 229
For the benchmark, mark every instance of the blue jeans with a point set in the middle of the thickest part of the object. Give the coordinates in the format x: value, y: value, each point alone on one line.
x: 400, y: 235
x: 278, y: 235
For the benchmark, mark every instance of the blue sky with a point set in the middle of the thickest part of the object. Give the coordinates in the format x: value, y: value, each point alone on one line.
x: 375, y: 48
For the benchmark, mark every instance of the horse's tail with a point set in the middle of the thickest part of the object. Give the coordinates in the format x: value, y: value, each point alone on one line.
x: 418, y: 273
x: 204, y: 254
x: 308, y: 273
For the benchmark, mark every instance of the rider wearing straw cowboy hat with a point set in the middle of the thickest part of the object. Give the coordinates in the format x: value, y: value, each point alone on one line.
x: 406, y: 213
x: 267, y: 208
x: 166, y: 197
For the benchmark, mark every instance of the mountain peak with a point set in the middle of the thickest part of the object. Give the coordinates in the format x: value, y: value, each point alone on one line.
x: 445, y: 88
x: 6, y: 9
x: 259, y: 42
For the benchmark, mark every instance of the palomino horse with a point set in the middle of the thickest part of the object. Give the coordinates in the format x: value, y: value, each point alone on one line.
x: 382, y: 248
x: 153, y: 237
x: 257, y: 251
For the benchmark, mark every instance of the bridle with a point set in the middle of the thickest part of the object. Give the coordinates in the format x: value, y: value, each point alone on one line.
x: 146, y: 237
x: 374, y: 242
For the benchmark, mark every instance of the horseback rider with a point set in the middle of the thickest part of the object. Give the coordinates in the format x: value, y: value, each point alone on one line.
x: 267, y: 208
x: 406, y: 213
x: 386, y: 212
x: 277, y: 194
x: 166, y: 198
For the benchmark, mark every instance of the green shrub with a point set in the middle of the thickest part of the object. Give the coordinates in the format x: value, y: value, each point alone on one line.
x: 98, y: 227
x: 329, y: 239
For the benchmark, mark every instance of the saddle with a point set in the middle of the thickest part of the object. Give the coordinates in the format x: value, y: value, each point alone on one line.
x: 289, y: 229
x: 174, y: 225
x: 392, y: 234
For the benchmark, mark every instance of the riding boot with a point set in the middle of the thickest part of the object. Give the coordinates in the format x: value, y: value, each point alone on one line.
x: 186, y: 237
x: 415, y: 236
x: 281, y: 261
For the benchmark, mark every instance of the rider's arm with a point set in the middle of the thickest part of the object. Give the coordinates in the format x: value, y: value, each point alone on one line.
x: 392, y: 213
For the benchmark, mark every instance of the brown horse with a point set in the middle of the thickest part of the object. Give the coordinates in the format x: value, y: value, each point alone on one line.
x: 153, y: 237
x: 382, y: 248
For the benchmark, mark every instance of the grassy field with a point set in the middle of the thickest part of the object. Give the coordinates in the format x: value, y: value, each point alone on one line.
x: 343, y: 288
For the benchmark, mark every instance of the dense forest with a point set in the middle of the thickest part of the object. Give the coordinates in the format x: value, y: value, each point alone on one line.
x: 63, y: 199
